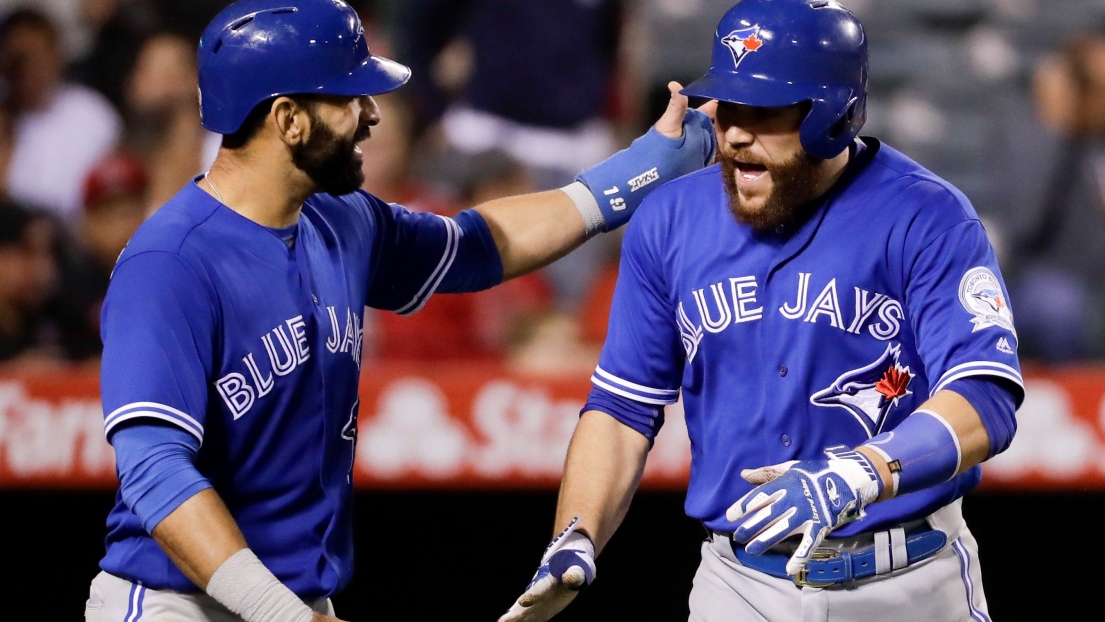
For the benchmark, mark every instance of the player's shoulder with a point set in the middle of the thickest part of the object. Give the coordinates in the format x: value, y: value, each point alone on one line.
x: 680, y: 197
x: 913, y: 192
x: 177, y: 227
x: 341, y: 212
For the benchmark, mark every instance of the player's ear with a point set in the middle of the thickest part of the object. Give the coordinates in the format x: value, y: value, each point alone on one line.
x: 291, y: 120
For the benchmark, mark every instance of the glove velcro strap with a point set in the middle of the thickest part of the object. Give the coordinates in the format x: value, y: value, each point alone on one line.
x: 570, y: 548
x: 859, y: 471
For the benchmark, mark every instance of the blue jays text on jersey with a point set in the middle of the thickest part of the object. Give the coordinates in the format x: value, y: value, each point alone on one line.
x: 787, y: 342
x: 213, y: 324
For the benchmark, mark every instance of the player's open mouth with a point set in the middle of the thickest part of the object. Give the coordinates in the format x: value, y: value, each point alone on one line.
x: 748, y: 173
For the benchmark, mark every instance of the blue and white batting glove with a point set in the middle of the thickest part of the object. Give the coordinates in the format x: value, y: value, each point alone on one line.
x: 807, y: 497
x: 608, y: 193
x: 567, y: 566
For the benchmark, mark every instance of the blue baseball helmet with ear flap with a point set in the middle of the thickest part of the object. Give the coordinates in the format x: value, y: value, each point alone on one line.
x: 774, y: 53
x: 257, y: 49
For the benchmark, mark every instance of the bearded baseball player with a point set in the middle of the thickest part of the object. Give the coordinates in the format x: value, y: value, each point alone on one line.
x: 834, y: 318
x: 233, y: 324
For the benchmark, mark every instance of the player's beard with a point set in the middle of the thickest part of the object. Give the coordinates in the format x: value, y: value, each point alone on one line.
x: 794, y: 184
x: 331, y: 160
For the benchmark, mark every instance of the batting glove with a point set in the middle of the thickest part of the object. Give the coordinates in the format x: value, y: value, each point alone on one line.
x: 567, y: 566
x: 807, y: 497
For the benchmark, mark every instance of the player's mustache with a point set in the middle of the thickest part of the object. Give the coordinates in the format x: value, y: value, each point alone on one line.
x: 744, y: 156
x: 362, y: 134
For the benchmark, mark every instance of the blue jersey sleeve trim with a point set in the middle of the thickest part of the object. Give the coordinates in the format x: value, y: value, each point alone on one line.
x: 478, y: 264
x: 155, y: 411
x: 640, y: 393
x: 452, y: 243
x: 980, y: 368
x: 644, y: 419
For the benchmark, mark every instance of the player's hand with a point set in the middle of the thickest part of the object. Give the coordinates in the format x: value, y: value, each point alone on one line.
x: 808, y: 498
x: 319, y: 617
x: 567, y: 566
x: 671, y: 122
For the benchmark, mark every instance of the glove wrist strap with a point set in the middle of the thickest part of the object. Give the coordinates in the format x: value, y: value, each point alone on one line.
x: 859, y: 472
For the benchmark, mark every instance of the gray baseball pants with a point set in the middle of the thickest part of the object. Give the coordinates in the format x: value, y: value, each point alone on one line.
x: 112, y: 599
x: 946, y: 587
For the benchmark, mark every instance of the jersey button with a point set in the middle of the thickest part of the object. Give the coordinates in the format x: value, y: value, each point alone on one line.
x: 783, y: 370
x: 785, y: 440
x: 314, y: 298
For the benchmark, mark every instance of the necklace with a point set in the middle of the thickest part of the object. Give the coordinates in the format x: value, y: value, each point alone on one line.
x: 207, y: 177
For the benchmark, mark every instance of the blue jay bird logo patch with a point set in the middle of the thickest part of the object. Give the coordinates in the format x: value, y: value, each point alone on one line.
x: 869, y: 392
x: 742, y: 42
x: 981, y: 295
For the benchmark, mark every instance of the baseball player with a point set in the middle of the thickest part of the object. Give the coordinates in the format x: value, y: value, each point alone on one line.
x: 834, y: 318
x: 232, y: 327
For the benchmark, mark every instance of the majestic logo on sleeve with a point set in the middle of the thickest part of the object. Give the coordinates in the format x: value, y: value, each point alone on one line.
x: 869, y: 392
x: 742, y: 42
x: 981, y: 294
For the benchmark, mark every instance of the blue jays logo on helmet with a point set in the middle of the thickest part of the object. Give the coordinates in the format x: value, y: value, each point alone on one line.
x: 742, y: 42
x: 868, y: 393
x: 817, y: 54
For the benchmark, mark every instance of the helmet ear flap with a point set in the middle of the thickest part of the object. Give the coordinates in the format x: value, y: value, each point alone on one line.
x: 845, y: 123
x: 830, y: 128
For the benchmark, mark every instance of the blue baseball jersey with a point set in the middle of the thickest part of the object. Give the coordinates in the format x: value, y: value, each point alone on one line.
x: 214, y: 324
x: 787, y: 342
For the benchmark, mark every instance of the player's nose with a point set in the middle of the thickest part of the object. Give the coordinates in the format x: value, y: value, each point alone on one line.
x: 736, y: 136
x: 370, y: 111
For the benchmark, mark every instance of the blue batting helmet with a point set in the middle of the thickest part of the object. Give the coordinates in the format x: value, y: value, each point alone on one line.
x: 257, y: 49
x: 782, y: 52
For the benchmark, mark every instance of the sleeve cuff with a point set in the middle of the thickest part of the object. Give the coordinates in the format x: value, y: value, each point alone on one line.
x: 156, y: 411
x: 633, y: 391
x: 979, y: 368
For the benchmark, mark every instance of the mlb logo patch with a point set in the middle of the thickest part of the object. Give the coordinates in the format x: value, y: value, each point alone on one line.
x: 742, y: 42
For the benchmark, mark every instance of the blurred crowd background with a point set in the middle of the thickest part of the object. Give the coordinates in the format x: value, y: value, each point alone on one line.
x: 99, y: 125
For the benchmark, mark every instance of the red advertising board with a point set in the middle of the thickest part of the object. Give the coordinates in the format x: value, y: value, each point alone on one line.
x: 474, y: 426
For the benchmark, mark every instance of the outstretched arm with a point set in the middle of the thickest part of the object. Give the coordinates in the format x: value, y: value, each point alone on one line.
x: 602, y: 471
x: 534, y: 230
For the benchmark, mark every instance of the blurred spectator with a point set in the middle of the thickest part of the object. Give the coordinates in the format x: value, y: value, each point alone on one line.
x: 552, y: 345
x: 540, y: 79
x: 189, y: 17
x: 388, y: 163
x: 162, y: 115
x: 114, y: 207
x: 59, y: 130
x: 537, y: 80
x: 28, y: 279
x: 472, y: 326
x: 1058, y: 259
x: 117, y: 29
x: 671, y: 41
